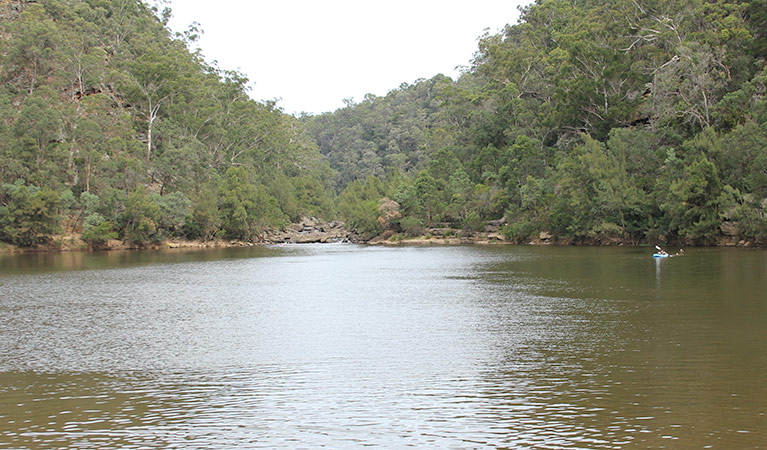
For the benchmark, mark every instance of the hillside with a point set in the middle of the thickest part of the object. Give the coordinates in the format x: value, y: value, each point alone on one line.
x: 111, y: 127
x: 595, y: 122
x: 634, y: 121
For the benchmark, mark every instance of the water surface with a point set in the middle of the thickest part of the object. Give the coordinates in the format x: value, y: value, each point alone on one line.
x: 344, y: 346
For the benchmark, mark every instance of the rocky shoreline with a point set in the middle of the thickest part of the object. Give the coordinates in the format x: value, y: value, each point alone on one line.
x: 311, y: 230
x: 307, y: 231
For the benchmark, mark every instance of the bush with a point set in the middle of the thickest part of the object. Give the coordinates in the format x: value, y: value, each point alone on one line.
x: 97, y: 231
x: 519, y: 231
x: 30, y: 216
x: 411, y: 226
x: 473, y: 222
x: 140, y: 217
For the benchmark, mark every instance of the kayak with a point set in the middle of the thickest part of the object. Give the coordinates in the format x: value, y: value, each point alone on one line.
x: 660, y: 255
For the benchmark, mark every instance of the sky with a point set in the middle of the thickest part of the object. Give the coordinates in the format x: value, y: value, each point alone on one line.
x: 311, y: 55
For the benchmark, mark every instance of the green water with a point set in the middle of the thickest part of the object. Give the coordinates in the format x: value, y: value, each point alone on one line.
x: 344, y: 346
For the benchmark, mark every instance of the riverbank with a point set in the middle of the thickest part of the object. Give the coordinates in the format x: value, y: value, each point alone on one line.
x: 492, y: 236
x: 308, y: 231
x: 311, y: 230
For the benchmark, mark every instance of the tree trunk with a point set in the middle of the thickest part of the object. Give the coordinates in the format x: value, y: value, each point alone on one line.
x: 148, y: 142
x: 88, y: 175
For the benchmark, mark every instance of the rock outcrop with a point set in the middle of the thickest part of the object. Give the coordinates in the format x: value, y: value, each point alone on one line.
x: 308, y: 231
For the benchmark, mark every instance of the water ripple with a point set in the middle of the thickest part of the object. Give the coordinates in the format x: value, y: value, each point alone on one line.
x: 348, y: 347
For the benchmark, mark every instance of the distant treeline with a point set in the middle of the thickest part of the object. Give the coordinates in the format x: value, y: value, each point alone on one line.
x: 624, y: 121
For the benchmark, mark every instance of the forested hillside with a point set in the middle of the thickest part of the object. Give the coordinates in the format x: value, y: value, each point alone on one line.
x: 623, y: 121
x: 111, y: 127
x: 596, y: 122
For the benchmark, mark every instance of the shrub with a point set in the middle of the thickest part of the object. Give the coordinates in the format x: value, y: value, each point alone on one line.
x: 411, y: 226
x: 97, y: 231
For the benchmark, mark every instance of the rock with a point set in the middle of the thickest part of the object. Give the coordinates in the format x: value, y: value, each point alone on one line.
x: 545, y: 236
x: 309, y: 231
x: 729, y: 228
x: 309, y: 239
x: 309, y: 222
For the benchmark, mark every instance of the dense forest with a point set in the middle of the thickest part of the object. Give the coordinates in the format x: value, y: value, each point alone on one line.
x: 110, y: 126
x: 596, y: 122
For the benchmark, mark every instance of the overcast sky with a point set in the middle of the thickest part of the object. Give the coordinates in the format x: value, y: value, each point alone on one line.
x: 311, y: 54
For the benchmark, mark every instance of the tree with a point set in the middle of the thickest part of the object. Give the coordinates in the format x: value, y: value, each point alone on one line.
x: 204, y: 219
x: 428, y: 194
x: 140, y: 217
x: 358, y: 205
x: 174, y: 209
x: 35, y: 39
x: 693, y: 202
x: 28, y: 215
x: 39, y: 121
x: 246, y: 208
x: 97, y: 231
x: 597, y: 199
x: 148, y: 85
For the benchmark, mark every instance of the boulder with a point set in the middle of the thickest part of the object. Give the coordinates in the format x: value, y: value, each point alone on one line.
x: 729, y: 228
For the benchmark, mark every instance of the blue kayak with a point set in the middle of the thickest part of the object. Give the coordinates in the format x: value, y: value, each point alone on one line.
x: 660, y: 255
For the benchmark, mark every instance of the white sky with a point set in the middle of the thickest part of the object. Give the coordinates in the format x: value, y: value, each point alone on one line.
x: 313, y: 54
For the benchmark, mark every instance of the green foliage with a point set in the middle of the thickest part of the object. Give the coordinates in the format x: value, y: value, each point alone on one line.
x: 473, y: 222
x: 520, y: 230
x: 358, y: 205
x: 693, y: 201
x: 281, y: 188
x: 597, y: 197
x: 29, y: 215
x: 174, y: 209
x: 97, y: 231
x: 380, y: 134
x: 139, y: 219
x: 204, y: 219
x: 312, y: 198
x: 89, y: 203
x: 246, y: 208
x: 746, y: 211
x: 595, y: 121
x: 407, y: 198
x: 411, y: 226
x: 428, y: 194
x: 97, y: 99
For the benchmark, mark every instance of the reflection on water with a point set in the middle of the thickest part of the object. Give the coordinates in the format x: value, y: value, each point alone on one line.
x: 342, y: 346
x: 62, y: 261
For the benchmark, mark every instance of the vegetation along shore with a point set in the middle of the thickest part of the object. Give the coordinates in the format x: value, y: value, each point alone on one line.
x: 600, y: 123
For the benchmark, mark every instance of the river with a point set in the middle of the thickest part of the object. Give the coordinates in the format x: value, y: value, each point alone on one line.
x: 344, y: 346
